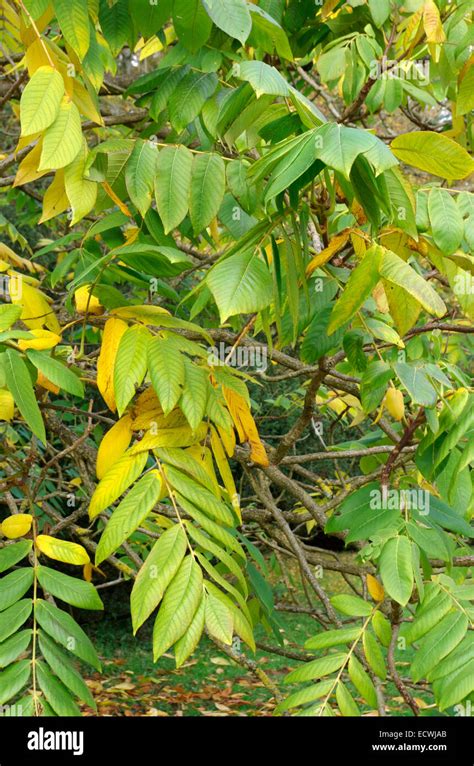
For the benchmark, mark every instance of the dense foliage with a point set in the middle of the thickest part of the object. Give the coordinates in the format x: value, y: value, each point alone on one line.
x: 202, y: 199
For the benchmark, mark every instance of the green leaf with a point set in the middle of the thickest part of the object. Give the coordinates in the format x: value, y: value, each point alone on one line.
x: 232, y: 16
x: 167, y: 372
x: 14, y: 585
x: 414, y: 379
x: 351, y: 605
x: 338, y: 146
x: 360, y: 284
x: 13, y: 553
x: 380, y: 11
x: 362, y: 681
x: 179, y: 606
x: 189, y: 97
x: 59, y: 661
x: 172, y: 185
x: 115, y: 23
x: 70, y: 589
x: 373, y: 655
x: 63, y: 139
x: 129, y: 514
x: 218, y: 620
x: 263, y: 78
x: 14, y: 617
x: 160, y: 567
x: 140, y: 174
x: 40, y: 100
x: 308, y: 694
x: 21, y: 388
x: 446, y: 221
x: 428, y: 618
x: 433, y: 153
x: 192, y: 24
x: 13, y: 679
x: 382, y: 628
x: 345, y: 701
x: 458, y: 687
x: 130, y: 364
x: 56, y: 372
x: 65, y: 630
x: 396, y: 569
x: 73, y: 18
x: 268, y: 34
x: 319, y: 668
x: 190, y: 639
x: 332, y: 638
x: 207, y: 189
x: 240, y: 284
x: 291, y: 166
x: 396, y: 271
x: 194, y: 397
x: 54, y: 691
x: 438, y: 643
x: 11, y: 649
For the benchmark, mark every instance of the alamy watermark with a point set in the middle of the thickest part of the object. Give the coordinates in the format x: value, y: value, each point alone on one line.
x: 400, y: 499
x: 255, y: 357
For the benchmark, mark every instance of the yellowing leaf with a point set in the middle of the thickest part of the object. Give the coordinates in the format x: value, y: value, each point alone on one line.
x: 432, y: 23
x: 336, y: 244
x: 394, y: 403
x: 40, y: 100
x: 62, y: 140
x: 7, y: 405
x: 62, y: 550
x: 36, y: 311
x: 245, y: 425
x: 375, y: 588
x: 113, y: 331
x: 86, y: 302
x: 113, y: 445
x: 28, y: 167
x: 81, y: 193
x: 41, y: 341
x: 55, y: 199
x: 43, y: 381
x: 224, y: 470
x: 117, y: 479
x: 17, y: 525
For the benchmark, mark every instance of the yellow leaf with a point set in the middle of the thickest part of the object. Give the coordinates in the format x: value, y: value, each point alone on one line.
x: 55, y: 199
x: 62, y: 550
x: 245, y: 425
x: 224, y: 470
x: 42, y: 340
x: 23, y: 263
x: 113, y: 445
x: 7, y: 405
x: 336, y: 244
x: 28, y: 167
x: 87, y: 572
x: 394, y: 403
x: 227, y: 439
x: 121, y: 205
x: 17, y: 525
x: 36, y: 311
x: 432, y: 23
x: 86, y: 302
x: 113, y: 331
x: 375, y: 588
x: 117, y: 479
x: 85, y: 104
x: 43, y: 381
